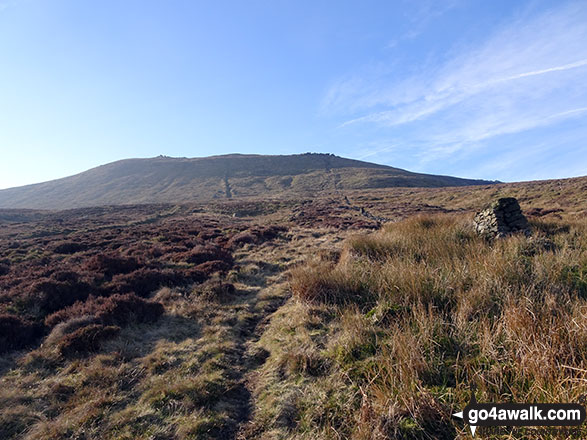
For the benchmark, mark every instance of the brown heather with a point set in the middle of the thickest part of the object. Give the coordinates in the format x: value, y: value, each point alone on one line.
x: 289, y: 318
x: 115, y: 309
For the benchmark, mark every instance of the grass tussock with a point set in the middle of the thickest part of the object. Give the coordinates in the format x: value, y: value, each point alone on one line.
x: 421, y: 311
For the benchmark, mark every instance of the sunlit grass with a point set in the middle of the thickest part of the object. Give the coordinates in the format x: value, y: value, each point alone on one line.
x: 422, y: 311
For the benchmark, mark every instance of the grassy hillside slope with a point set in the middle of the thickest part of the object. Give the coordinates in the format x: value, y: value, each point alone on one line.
x: 551, y: 198
x: 291, y: 318
x: 386, y: 340
x: 178, y: 180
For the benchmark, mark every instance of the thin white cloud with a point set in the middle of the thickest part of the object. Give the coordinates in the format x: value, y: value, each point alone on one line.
x: 375, y: 148
x: 483, y: 128
x: 435, y: 103
x: 531, y: 73
x: 574, y: 65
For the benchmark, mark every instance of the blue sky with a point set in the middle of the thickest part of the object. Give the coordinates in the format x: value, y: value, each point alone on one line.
x: 473, y: 88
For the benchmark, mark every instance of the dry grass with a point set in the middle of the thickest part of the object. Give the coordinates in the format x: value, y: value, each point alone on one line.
x: 174, y: 368
x: 414, y: 315
x: 550, y: 199
x: 383, y: 338
x: 167, y: 380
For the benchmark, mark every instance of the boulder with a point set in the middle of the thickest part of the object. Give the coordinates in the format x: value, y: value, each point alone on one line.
x: 503, y: 217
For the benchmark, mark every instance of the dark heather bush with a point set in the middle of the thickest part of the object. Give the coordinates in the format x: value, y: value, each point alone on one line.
x: 257, y: 234
x: 210, y: 267
x: 50, y: 295
x: 209, y: 234
x: 4, y: 269
x: 110, y: 265
x: 154, y: 252
x: 87, y: 339
x: 200, y: 254
x: 144, y: 281
x: 268, y: 232
x: 65, y: 275
x: 63, y: 328
x: 175, y: 238
x: 242, y: 238
x: 116, y: 309
x: 69, y: 247
x: 16, y: 332
x: 195, y: 275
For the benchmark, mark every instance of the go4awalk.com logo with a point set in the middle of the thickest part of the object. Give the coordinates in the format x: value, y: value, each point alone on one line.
x: 521, y: 414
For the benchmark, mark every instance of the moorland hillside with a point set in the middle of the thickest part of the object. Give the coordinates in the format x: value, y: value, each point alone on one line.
x: 367, y: 314
x: 236, y: 176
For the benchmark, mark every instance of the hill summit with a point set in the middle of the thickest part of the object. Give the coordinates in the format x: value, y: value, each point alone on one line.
x: 178, y: 180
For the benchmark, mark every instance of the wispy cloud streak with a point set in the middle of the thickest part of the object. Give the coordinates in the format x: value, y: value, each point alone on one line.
x: 579, y: 63
x: 530, y: 73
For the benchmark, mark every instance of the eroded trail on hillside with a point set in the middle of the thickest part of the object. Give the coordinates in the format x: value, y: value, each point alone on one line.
x: 263, y: 279
x: 260, y: 290
x: 225, y: 356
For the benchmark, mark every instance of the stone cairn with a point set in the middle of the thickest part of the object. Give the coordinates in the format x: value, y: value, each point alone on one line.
x: 501, y: 218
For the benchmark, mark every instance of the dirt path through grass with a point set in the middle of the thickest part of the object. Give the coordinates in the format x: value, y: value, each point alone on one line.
x: 264, y: 275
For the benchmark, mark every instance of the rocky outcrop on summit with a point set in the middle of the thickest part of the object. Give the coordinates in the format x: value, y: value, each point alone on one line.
x: 501, y: 218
